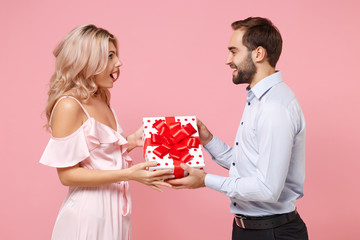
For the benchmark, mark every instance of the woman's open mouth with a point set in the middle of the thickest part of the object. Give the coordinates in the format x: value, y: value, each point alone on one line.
x: 115, y: 75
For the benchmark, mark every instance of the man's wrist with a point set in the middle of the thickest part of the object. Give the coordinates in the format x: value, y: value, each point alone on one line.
x: 208, y: 139
x: 203, y: 180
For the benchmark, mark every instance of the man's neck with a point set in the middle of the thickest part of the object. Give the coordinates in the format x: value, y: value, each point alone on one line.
x: 261, y: 74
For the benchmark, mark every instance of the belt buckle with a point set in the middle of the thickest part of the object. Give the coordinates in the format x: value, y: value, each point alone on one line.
x: 239, y: 221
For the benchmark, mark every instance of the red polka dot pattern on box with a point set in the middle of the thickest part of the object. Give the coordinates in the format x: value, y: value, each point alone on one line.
x: 166, y: 162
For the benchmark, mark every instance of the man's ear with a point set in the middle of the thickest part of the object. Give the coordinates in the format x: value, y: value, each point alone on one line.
x: 259, y: 54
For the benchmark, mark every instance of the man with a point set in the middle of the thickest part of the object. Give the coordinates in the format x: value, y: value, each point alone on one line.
x: 267, y: 163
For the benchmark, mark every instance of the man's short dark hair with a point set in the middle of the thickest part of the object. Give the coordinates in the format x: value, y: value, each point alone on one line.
x: 261, y: 32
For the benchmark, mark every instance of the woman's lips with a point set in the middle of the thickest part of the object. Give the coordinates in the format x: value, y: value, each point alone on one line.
x: 115, y: 75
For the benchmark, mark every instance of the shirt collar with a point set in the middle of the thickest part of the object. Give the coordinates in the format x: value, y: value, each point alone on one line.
x: 265, y: 84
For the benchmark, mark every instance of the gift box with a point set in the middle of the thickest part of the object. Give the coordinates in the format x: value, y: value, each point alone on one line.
x: 171, y: 141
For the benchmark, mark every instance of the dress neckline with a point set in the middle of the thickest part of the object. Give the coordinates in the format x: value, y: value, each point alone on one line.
x: 84, y: 124
x: 88, y: 117
x: 116, y: 121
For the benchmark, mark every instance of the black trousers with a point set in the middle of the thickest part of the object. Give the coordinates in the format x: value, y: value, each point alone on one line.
x: 294, y: 230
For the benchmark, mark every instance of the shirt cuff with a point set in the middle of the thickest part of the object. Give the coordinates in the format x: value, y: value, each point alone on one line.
x: 214, y: 182
x: 213, y: 145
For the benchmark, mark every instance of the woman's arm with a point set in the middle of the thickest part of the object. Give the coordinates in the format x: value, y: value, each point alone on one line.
x: 68, y: 116
x: 78, y: 176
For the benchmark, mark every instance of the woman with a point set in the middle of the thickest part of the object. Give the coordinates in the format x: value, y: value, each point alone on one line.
x: 86, y: 146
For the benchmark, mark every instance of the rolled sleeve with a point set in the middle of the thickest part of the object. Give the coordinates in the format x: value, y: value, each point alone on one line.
x: 220, y: 152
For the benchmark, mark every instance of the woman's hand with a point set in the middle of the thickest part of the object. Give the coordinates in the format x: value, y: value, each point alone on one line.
x: 140, y: 174
x: 135, y: 139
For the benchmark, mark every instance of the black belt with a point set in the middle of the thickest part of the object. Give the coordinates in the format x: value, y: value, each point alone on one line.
x: 265, y: 222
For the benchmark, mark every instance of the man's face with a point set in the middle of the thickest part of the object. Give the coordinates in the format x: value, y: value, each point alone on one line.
x: 240, y: 59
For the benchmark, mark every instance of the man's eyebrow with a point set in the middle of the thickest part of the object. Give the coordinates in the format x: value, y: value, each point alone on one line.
x: 232, y: 48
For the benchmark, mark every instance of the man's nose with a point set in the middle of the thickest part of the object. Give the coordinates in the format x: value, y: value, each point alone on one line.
x: 228, y: 59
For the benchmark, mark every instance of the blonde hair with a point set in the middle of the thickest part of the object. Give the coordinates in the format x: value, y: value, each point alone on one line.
x: 81, y: 55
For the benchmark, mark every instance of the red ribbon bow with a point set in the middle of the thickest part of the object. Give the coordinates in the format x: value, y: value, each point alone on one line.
x: 175, y: 140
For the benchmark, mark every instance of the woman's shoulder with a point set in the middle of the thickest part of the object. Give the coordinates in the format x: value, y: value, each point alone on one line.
x: 67, y: 105
x: 67, y: 117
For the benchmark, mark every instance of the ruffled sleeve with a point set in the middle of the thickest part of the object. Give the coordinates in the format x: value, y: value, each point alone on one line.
x: 67, y: 151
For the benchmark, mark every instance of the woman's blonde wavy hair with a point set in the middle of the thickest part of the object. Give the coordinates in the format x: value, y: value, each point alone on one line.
x: 81, y: 55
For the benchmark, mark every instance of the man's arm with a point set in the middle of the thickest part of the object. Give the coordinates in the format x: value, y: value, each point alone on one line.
x: 220, y: 152
x: 275, y: 135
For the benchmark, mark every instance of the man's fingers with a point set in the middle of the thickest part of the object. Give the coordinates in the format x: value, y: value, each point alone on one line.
x: 176, y: 182
x: 199, y: 123
x: 186, y: 167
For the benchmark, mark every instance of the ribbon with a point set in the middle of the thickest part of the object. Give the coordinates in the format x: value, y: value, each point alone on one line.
x: 175, y: 140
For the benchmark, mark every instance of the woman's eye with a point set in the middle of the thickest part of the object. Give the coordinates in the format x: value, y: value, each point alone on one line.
x: 111, y: 56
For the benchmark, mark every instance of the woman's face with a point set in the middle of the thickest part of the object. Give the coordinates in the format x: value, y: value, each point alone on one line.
x: 106, y: 78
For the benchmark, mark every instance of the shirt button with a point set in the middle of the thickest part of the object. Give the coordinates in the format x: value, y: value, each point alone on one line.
x: 237, y: 143
x: 233, y: 164
x: 242, y: 123
x: 234, y: 203
x: 249, y: 103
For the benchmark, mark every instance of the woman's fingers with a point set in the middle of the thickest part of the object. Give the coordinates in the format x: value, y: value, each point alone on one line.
x: 162, y: 174
x: 155, y: 184
x: 145, y: 165
x: 178, y: 187
x: 160, y: 178
x: 163, y: 178
x: 156, y: 188
x: 160, y: 183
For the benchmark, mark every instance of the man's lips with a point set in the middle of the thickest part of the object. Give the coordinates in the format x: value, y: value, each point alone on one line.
x: 234, y: 68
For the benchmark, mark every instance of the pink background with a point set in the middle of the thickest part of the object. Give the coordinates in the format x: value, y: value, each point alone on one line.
x: 172, y: 49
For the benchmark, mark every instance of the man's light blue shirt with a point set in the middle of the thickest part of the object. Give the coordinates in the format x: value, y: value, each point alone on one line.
x: 267, y: 162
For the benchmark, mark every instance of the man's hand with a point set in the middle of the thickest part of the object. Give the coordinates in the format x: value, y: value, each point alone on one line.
x: 204, y: 133
x: 195, y: 179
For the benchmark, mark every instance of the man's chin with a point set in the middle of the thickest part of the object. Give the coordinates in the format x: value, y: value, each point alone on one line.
x: 237, y: 80
x: 242, y: 79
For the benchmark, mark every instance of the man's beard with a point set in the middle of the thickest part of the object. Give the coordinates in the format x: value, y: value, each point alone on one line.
x: 245, y: 71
